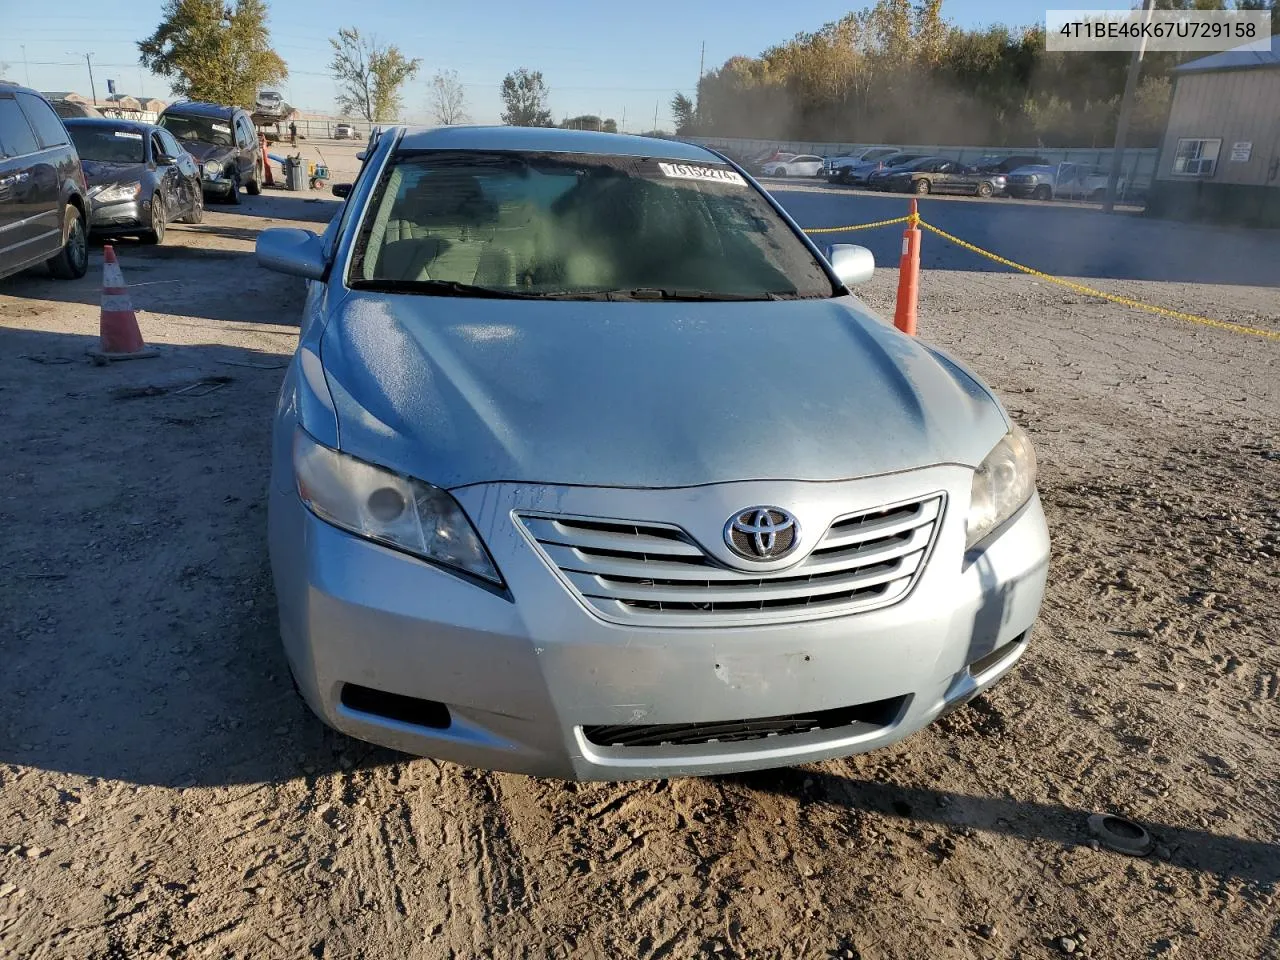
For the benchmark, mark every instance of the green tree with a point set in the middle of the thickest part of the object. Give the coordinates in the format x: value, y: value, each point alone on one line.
x: 369, y: 76
x: 213, y: 50
x: 584, y: 122
x: 610, y: 125
x: 685, y: 114
x: 525, y: 95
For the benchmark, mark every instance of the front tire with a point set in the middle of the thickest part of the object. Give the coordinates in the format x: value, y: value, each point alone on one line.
x: 1041, y: 192
x: 922, y: 187
x: 72, y: 261
x: 156, y: 233
x: 985, y: 189
x: 233, y: 197
x: 780, y: 172
x: 254, y: 186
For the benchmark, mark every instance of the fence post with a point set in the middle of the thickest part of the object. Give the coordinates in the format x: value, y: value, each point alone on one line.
x: 904, y: 316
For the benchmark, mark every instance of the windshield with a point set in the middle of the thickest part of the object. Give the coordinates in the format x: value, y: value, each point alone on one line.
x: 578, y: 226
x: 107, y: 144
x: 200, y: 129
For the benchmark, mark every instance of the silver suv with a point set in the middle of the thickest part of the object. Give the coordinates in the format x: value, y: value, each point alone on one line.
x: 44, y: 208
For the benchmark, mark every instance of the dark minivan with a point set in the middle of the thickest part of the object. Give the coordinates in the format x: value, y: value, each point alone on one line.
x: 44, y: 206
x: 224, y: 143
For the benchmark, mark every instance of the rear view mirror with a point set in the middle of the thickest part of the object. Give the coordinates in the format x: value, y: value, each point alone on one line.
x: 851, y: 264
x: 341, y: 189
x: 289, y: 250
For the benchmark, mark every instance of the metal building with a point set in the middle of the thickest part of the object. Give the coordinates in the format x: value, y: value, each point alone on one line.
x: 1220, y: 159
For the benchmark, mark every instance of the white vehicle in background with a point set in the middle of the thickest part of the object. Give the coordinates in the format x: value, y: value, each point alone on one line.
x: 344, y: 131
x: 805, y: 165
x: 835, y: 167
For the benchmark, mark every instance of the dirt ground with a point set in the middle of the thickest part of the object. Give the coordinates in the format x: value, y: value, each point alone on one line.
x: 163, y: 793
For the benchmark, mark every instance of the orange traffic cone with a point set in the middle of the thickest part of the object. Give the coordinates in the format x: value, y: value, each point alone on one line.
x: 118, y: 335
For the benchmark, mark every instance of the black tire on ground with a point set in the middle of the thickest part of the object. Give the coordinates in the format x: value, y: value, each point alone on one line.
x: 1042, y: 192
x: 72, y: 261
x: 923, y: 186
x: 156, y: 233
x: 780, y: 172
x: 985, y: 189
x: 233, y: 197
x: 254, y: 186
x: 196, y: 214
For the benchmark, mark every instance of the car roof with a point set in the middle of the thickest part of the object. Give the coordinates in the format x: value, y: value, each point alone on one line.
x: 195, y: 108
x: 8, y: 86
x: 137, y: 126
x: 553, y: 140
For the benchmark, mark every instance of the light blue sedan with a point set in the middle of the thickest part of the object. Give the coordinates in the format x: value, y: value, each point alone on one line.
x: 589, y: 465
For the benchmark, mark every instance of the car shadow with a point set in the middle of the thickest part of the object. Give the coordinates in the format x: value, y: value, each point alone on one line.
x: 1200, y: 850
x: 159, y: 277
x: 140, y: 639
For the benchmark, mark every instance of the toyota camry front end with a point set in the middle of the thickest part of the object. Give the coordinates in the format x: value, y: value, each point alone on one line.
x: 589, y: 465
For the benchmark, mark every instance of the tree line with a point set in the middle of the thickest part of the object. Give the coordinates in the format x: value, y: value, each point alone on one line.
x: 898, y: 72
x: 221, y: 52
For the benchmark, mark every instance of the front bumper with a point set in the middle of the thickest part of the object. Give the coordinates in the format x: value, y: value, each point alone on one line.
x: 1021, y: 190
x: 522, y: 676
x: 221, y: 187
x: 132, y: 214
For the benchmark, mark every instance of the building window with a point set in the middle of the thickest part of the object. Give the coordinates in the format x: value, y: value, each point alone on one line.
x: 1196, y: 158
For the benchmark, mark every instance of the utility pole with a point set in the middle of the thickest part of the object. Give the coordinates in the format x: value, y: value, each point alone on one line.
x: 702, y: 60
x: 655, y: 115
x: 622, y: 127
x: 88, y: 62
x: 1126, y: 109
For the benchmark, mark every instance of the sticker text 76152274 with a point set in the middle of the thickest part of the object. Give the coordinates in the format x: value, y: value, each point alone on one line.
x: 686, y: 171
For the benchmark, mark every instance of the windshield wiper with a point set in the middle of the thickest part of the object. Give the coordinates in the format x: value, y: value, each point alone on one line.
x: 440, y: 288
x: 663, y: 293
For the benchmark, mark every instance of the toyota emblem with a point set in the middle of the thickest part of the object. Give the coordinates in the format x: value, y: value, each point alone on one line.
x: 762, y: 533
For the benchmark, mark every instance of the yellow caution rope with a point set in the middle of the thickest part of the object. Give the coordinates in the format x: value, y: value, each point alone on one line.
x: 914, y: 220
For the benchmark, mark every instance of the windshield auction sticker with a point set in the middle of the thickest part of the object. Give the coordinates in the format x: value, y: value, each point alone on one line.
x: 1157, y: 30
x: 685, y: 171
x: 127, y: 135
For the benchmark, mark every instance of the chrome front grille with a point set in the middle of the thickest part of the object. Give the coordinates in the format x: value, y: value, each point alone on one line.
x: 657, y: 574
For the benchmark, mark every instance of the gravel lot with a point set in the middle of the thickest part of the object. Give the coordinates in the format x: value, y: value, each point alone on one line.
x: 164, y: 794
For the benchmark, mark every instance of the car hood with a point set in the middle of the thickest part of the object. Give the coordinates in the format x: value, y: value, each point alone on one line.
x: 458, y: 391
x: 105, y: 172
x: 207, y: 151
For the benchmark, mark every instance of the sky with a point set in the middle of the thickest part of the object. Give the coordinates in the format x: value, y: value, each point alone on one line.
x: 619, y: 60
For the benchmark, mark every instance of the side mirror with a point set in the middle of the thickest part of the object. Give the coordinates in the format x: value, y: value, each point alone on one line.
x: 341, y: 189
x: 289, y: 250
x: 361, y: 154
x: 164, y: 160
x: 851, y: 264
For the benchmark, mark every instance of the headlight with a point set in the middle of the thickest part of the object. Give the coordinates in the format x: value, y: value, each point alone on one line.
x: 117, y: 192
x: 375, y: 503
x: 1003, y: 482
x: 213, y: 170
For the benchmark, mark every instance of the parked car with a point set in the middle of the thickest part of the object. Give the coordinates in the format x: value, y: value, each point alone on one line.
x: 837, y: 169
x: 803, y: 165
x: 44, y: 200
x: 768, y: 158
x: 67, y: 109
x: 873, y: 175
x: 344, y: 131
x: 684, y: 575
x: 1007, y: 163
x: 139, y: 177
x: 940, y: 175
x: 224, y: 143
x: 1063, y: 181
x: 861, y: 174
